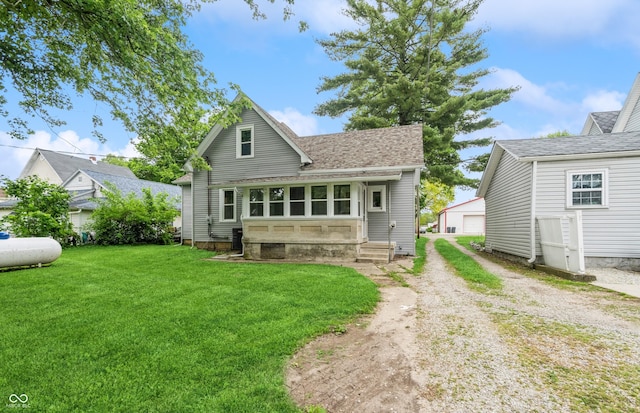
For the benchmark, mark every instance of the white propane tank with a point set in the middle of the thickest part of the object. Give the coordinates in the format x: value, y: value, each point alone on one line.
x: 20, y: 252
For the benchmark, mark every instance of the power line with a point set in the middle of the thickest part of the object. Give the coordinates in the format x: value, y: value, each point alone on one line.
x: 65, y: 152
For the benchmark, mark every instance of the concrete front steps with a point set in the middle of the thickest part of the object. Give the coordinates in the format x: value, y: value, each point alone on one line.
x: 376, y: 252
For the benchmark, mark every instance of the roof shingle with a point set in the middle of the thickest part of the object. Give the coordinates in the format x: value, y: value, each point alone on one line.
x: 573, y: 145
x: 374, y: 148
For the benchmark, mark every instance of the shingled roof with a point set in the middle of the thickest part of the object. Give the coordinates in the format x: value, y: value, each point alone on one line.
x: 399, y: 146
x: 128, y: 185
x: 623, y: 142
x: 65, y: 165
x: 605, y: 120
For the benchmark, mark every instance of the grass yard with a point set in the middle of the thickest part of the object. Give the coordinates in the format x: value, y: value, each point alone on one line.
x: 466, y: 240
x: 421, y: 256
x: 477, y: 277
x: 158, y: 329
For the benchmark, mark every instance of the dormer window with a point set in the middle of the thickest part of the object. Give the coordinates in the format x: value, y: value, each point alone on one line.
x: 244, y: 141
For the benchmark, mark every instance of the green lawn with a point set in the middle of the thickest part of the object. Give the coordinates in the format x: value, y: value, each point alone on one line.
x: 466, y: 240
x: 158, y: 329
x: 421, y: 256
x: 466, y: 267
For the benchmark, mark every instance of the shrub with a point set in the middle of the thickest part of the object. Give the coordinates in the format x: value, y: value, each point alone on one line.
x: 128, y: 219
x: 42, y: 209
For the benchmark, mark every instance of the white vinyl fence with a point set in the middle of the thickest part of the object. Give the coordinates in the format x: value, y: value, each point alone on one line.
x: 561, y: 241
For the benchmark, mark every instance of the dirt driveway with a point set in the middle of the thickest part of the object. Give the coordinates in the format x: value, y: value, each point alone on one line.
x: 439, y: 346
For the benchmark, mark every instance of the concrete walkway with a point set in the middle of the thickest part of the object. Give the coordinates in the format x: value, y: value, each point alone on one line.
x: 627, y: 282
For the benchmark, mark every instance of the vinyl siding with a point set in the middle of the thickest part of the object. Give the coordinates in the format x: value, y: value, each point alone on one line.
x: 633, y: 124
x: 457, y: 215
x: 508, y: 208
x: 272, y: 157
x: 607, y: 232
x: 401, y: 208
x: 187, y: 212
x: 200, y: 207
x: 594, y: 130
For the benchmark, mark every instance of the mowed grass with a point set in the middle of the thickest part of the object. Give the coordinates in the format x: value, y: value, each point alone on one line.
x: 468, y: 268
x: 421, y: 256
x: 159, y: 329
x: 466, y: 241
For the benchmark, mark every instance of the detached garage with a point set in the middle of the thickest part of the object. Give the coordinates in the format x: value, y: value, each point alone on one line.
x: 464, y: 218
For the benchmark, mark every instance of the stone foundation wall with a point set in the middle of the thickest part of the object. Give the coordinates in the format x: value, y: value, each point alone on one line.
x: 300, y: 251
x: 289, y: 239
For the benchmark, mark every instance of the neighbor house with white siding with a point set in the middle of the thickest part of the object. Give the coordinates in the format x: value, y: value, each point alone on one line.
x: 597, y: 173
x: 85, y: 178
x: 273, y: 194
x: 463, y: 218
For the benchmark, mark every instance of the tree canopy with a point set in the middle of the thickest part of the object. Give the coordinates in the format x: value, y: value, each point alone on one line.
x: 131, y: 55
x: 409, y: 62
x: 435, y: 197
x: 42, y: 209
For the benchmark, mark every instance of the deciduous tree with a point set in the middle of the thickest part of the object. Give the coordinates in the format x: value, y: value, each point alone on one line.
x: 435, y: 197
x: 414, y: 61
x: 42, y: 209
x: 130, y: 55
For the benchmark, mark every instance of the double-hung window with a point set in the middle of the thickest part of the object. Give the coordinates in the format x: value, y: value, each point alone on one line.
x: 244, y: 141
x: 296, y: 201
x: 319, y: 200
x: 227, y: 205
x: 342, y: 199
x: 276, y: 202
x: 587, y: 189
x: 256, y: 202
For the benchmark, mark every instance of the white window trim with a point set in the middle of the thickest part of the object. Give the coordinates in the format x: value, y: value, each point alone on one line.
x: 267, y: 212
x: 239, y: 130
x: 307, y: 202
x: 383, y: 194
x: 222, y: 205
x: 263, y: 202
x: 570, y: 190
x: 334, y: 199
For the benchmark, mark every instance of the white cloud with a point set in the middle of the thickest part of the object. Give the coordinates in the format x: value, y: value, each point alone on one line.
x: 603, y: 100
x: 303, y: 125
x: 15, y: 153
x: 323, y: 16
x: 562, y: 18
x: 530, y: 94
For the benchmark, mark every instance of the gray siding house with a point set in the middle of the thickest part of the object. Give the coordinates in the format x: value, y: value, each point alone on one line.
x: 596, y: 173
x: 273, y: 194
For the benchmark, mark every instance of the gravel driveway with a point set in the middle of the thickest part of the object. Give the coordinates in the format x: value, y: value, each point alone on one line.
x: 439, y: 346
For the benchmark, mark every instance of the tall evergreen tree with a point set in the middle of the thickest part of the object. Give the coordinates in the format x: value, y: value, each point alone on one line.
x: 413, y: 61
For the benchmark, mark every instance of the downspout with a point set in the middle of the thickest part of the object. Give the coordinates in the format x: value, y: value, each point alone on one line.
x: 193, y: 210
x: 388, y: 224
x: 534, y: 174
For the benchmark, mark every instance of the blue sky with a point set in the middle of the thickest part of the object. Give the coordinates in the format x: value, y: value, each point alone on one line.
x: 568, y: 57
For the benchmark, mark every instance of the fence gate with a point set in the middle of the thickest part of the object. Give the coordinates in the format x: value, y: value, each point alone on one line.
x: 561, y: 241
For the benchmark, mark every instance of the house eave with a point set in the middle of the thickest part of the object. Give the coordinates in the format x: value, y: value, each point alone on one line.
x: 301, y: 180
x: 363, y: 170
x: 580, y: 156
x: 492, y: 165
